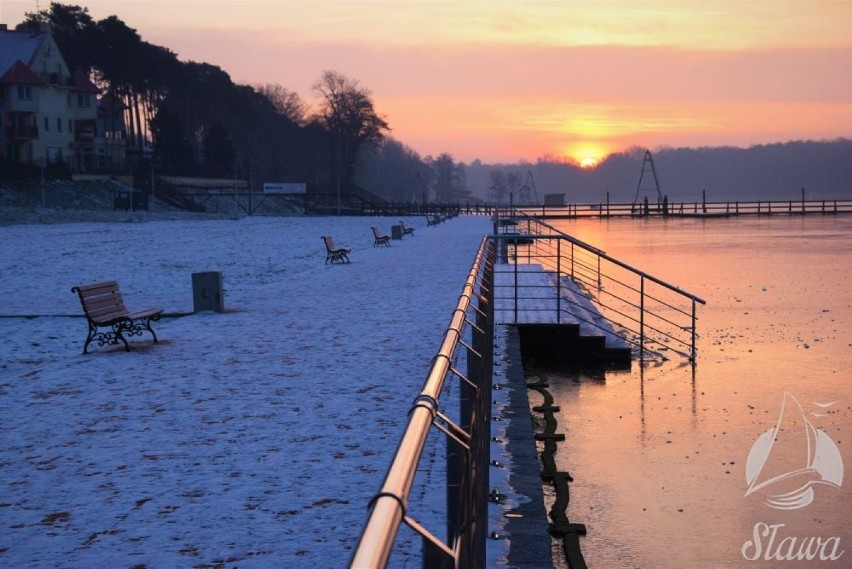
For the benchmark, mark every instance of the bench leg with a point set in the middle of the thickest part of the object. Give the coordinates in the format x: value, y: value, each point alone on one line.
x: 118, y: 328
x: 137, y: 327
x: 113, y: 336
x: 89, y: 337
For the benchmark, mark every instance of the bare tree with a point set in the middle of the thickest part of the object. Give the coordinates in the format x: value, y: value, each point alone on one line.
x: 347, y: 114
x: 285, y: 101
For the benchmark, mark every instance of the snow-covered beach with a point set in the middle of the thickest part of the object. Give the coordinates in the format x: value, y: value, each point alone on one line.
x: 254, y: 437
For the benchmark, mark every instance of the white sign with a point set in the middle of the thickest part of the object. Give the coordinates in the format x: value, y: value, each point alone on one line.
x: 284, y: 188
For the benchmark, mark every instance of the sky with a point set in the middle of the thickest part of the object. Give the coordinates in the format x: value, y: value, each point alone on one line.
x: 508, y: 81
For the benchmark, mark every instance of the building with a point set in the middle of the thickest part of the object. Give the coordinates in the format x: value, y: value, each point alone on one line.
x: 48, y: 114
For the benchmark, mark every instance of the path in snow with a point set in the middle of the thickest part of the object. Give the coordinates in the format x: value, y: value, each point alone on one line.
x: 254, y: 437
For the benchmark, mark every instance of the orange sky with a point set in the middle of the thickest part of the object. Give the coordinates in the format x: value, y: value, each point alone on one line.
x: 503, y: 81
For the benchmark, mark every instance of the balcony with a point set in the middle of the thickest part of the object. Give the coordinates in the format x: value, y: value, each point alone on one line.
x: 21, y: 132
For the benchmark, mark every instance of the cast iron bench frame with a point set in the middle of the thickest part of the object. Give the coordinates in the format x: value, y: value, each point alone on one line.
x: 104, y: 308
x: 379, y: 238
x: 406, y: 230
x: 335, y: 253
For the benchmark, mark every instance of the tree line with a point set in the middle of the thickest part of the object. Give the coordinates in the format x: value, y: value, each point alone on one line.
x: 776, y: 171
x: 191, y: 119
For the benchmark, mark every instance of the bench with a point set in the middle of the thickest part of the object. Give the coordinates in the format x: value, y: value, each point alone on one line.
x: 406, y: 230
x: 379, y: 238
x: 104, y: 308
x: 335, y: 253
x: 433, y: 220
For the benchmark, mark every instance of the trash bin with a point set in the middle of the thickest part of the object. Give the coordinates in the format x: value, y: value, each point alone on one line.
x: 396, y: 232
x: 207, y: 292
x: 123, y: 199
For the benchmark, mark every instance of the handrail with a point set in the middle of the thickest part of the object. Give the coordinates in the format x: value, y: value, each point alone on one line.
x: 388, y: 509
x: 613, y: 260
x: 639, y: 309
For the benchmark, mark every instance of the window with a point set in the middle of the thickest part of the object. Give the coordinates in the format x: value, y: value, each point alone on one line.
x: 70, y: 125
x: 46, y: 125
x: 84, y: 100
x: 25, y: 92
x: 58, y: 124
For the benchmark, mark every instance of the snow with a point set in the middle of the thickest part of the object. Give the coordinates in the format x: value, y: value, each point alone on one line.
x: 254, y: 437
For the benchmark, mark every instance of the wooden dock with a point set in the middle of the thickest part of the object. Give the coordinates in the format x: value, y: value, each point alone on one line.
x: 703, y: 210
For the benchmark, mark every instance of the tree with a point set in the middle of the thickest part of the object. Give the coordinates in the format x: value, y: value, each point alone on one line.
x: 286, y: 102
x: 73, y: 29
x: 346, y: 112
x: 393, y: 171
x: 219, y: 152
x: 449, y: 179
x: 170, y: 143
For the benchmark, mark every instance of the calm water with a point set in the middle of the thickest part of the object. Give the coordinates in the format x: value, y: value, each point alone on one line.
x: 659, y: 454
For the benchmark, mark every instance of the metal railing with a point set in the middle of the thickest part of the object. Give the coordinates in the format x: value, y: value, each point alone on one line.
x: 654, y: 316
x: 468, y: 338
x: 701, y: 209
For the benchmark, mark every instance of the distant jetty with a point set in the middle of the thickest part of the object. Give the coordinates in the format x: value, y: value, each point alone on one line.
x: 692, y: 209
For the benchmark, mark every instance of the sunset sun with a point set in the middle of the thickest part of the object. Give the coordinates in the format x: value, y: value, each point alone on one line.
x: 588, y: 155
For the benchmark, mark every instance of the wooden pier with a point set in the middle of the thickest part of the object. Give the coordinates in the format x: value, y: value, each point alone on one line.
x: 691, y: 209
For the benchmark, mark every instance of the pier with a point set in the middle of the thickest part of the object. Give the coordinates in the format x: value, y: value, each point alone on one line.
x: 694, y: 209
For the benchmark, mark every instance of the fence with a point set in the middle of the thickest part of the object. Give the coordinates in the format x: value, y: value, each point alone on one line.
x: 469, y: 337
x: 653, y: 315
x: 648, y: 309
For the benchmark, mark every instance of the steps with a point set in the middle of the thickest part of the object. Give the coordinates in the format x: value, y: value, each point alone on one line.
x: 556, y: 316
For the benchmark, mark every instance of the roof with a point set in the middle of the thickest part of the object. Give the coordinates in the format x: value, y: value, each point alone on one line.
x: 20, y: 74
x: 82, y: 83
x: 18, y: 46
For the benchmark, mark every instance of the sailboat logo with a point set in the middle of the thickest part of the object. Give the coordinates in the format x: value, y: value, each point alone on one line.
x: 792, y: 458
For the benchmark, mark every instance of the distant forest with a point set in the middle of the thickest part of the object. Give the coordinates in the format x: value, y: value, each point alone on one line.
x: 772, y: 171
x: 191, y: 119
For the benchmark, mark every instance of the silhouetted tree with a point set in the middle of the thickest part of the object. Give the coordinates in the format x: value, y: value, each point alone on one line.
x: 285, y: 101
x: 219, y: 152
x: 346, y: 112
x: 173, y: 150
x: 393, y: 171
x: 448, y: 179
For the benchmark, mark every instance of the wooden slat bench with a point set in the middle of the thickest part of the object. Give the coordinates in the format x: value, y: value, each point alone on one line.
x: 406, y: 230
x: 335, y: 253
x: 104, y: 308
x: 379, y: 238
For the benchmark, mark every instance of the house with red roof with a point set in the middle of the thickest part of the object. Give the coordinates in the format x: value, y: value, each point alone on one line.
x: 47, y: 113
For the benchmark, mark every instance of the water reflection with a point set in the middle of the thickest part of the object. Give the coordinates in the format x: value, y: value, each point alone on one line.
x: 659, y: 453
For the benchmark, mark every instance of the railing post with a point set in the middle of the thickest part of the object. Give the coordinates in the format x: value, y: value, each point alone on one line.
x: 558, y: 280
x: 641, y: 316
x: 572, y: 259
x: 515, y: 265
x: 692, y: 354
x: 599, y: 272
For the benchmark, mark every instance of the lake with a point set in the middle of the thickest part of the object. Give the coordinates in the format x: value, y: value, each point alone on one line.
x: 677, y: 465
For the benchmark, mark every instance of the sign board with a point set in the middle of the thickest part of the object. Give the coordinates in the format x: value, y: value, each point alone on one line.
x: 284, y: 188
